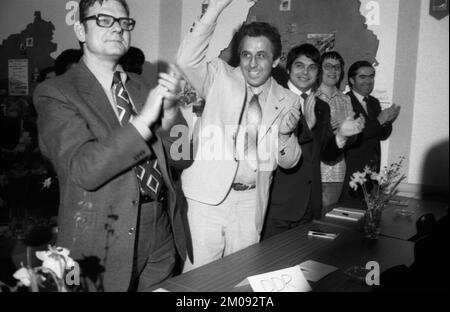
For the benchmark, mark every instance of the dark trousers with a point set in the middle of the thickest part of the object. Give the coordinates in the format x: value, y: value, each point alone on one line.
x: 155, y: 254
x: 273, y: 226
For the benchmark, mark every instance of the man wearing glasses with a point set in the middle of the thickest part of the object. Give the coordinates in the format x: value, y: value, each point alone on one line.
x: 106, y: 136
x: 296, y: 194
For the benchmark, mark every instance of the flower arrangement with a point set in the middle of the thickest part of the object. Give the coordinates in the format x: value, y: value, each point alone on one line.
x: 56, y: 273
x: 378, y: 188
x: 189, y: 96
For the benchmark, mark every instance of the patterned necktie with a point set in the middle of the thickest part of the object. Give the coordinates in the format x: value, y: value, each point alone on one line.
x: 253, y: 118
x: 148, y: 173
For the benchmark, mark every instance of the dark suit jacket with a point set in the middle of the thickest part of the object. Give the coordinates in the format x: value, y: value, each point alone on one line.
x: 9, y: 131
x: 94, y: 157
x: 297, y: 192
x: 366, y: 149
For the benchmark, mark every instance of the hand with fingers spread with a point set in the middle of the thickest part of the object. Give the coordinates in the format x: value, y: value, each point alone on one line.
x: 389, y: 114
x: 289, y: 121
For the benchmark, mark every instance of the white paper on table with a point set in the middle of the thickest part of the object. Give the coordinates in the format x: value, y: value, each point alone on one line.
x: 160, y: 290
x: 285, y: 280
x: 315, y: 271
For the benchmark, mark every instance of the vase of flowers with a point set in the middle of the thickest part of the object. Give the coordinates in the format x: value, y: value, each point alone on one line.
x: 58, y: 272
x: 378, y: 188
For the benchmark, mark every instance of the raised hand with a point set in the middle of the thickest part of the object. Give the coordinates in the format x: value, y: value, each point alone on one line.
x: 289, y: 121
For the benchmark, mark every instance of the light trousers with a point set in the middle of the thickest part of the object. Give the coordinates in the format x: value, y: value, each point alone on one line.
x: 218, y: 231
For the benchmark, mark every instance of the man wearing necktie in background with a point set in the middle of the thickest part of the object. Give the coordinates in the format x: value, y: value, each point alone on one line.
x: 366, y: 151
x: 296, y: 194
x: 107, y: 137
x: 253, y: 119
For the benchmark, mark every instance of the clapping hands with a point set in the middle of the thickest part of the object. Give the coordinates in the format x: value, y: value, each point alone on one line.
x: 389, y: 114
x: 289, y: 121
x: 351, y: 126
x: 163, y: 96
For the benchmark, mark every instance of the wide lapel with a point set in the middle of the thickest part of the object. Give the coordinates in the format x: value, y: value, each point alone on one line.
x: 94, y: 95
x: 138, y: 97
x: 371, y: 109
x: 158, y: 148
x: 357, y: 106
x: 273, y: 107
x: 238, y: 97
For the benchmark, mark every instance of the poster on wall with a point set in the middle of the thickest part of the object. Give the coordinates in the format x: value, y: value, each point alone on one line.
x: 18, y: 76
x: 323, y: 42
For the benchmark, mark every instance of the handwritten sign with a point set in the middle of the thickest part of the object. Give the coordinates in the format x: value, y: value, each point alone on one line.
x: 285, y: 280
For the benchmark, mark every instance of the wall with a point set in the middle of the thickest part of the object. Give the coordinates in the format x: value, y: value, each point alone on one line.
x: 384, y: 25
x: 16, y: 14
x: 413, y: 69
x: 430, y: 131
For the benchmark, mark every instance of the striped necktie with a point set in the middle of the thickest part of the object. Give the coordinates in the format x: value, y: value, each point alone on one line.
x: 253, y: 120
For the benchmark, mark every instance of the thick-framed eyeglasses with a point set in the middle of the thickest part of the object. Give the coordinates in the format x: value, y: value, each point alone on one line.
x: 106, y: 21
x: 330, y: 67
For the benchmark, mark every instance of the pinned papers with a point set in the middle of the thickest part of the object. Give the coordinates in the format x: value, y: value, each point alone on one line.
x: 285, y: 5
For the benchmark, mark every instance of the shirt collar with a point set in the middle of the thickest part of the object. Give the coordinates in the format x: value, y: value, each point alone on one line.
x: 106, y: 77
x: 320, y: 93
x: 296, y: 90
x: 262, y: 91
x: 358, y: 96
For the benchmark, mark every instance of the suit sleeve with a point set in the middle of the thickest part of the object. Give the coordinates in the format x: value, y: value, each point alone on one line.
x: 289, y: 152
x: 329, y: 150
x: 191, y: 57
x: 373, y: 128
x: 65, y: 138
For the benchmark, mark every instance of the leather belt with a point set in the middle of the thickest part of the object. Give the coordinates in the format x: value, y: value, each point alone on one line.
x: 242, y: 186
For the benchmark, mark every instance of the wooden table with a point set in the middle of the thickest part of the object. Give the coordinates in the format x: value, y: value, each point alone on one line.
x: 291, y: 248
x: 396, y: 224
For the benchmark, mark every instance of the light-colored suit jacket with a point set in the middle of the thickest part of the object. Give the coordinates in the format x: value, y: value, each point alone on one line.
x: 224, y: 89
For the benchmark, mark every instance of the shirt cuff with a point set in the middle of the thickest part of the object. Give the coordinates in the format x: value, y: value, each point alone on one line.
x: 340, y: 142
x: 142, y: 128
